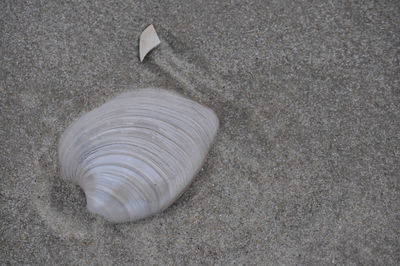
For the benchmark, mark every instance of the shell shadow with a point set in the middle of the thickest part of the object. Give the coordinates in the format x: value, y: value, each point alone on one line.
x: 61, y: 204
x: 67, y: 198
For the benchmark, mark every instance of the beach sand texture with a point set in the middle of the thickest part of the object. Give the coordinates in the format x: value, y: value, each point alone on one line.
x: 305, y: 167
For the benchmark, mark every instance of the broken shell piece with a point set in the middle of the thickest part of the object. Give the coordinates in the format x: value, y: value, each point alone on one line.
x: 148, y: 41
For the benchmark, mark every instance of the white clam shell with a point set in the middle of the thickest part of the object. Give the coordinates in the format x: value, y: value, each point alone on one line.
x: 136, y: 154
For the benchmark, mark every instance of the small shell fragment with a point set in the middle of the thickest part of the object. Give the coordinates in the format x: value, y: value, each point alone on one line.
x: 148, y: 41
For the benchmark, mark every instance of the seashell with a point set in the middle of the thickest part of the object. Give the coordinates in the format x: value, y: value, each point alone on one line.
x: 136, y: 154
x: 148, y: 41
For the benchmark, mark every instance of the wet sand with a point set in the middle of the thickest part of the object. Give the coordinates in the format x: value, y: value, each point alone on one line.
x: 305, y: 167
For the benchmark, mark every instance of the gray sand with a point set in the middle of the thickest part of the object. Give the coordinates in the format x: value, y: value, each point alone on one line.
x: 305, y: 168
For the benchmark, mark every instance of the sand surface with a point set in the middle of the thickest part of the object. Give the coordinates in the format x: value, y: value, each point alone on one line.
x: 305, y: 167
